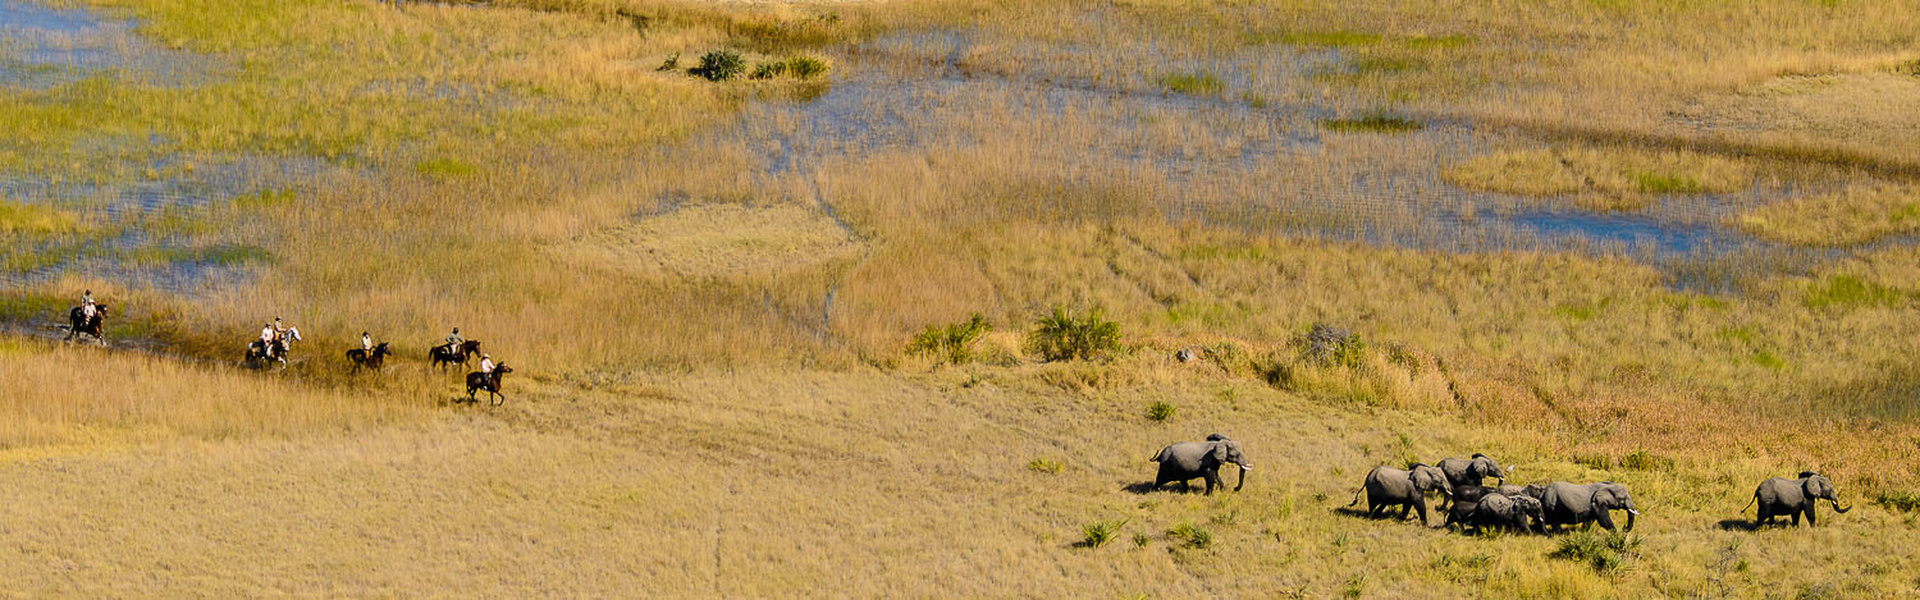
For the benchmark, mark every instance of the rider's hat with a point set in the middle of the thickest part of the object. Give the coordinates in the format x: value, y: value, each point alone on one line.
x: 456, y: 330
x: 486, y: 357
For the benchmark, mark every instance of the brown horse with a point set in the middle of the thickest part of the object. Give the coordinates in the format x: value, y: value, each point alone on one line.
x: 491, y: 383
x: 444, y: 355
x: 79, y: 323
x: 371, y: 362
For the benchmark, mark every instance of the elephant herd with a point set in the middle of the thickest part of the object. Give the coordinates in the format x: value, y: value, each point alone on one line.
x: 1473, y: 506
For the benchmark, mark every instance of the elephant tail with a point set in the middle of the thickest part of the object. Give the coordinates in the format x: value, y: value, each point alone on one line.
x: 1356, y: 496
x: 1161, y: 455
x: 1743, y: 509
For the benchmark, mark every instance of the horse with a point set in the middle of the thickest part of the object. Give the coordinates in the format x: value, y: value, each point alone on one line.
x: 363, y: 360
x: 491, y: 383
x: 79, y: 323
x: 444, y: 355
x: 256, y: 350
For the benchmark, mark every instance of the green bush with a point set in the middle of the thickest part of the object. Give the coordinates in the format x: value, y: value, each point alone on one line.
x: 1160, y: 411
x: 768, y: 70
x: 1604, y: 551
x: 1062, y: 335
x: 805, y: 67
x: 1193, y: 84
x: 1192, y: 537
x: 1898, y: 500
x: 670, y: 64
x: 1641, y: 460
x: 1042, y: 465
x: 953, y: 342
x: 1098, y: 533
x: 1373, y: 122
x: 719, y: 65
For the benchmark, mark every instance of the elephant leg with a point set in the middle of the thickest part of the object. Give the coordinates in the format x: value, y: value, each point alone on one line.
x: 1405, y: 509
x: 1796, y: 518
x: 1811, y: 505
x: 1762, y: 517
x: 1213, y: 480
x: 1421, y: 505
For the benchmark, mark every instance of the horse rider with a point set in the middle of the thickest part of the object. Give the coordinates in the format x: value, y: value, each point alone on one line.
x: 454, y: 341
x: 87, y: 308
x: 366, y: 342
x: 267, y: 336
x: 486, y: 365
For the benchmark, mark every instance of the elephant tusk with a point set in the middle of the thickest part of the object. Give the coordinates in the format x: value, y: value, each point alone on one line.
x: 1245, y: 468
x: 1633, y: 512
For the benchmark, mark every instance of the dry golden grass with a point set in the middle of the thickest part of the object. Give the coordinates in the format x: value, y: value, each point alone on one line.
x: 1602, y: 179
x: 1857, y: 214
x: 716, y: 400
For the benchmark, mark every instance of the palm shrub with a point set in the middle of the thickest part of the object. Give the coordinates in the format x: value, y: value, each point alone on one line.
x: 719, y: 65
x: 952, y: 342
x: 805, y: 67
x: 1064, y: 335
x: 768, y: 70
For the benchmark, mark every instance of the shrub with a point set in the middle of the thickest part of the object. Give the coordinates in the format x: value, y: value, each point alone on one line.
x: 1898, y: 500
x: 1192, y: 537
x: 719, y: 65
x: 1098, y: 533
x: 1160, y: 411
x: 1641, y: 460
x: 768, y: 70
x: 1042, y: 465
x: 670, y: 64
x: 1061, y: 335
x: 1605, y: 551
x: 1599, y: 462
x: 953, y: 342
x: 805, y: 67
x: 1328, y: 345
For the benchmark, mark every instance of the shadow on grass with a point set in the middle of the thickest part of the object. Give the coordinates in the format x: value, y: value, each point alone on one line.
x: 1738, y: 525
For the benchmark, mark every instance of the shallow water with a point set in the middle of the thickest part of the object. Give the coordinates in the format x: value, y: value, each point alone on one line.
x: 42, y: 47
x: 928, y: 99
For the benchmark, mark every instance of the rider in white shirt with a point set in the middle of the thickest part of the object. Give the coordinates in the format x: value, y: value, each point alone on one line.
x: 267, y: 336
x: 486, y: 365
x: 86, y: 305
x: 366, y: 342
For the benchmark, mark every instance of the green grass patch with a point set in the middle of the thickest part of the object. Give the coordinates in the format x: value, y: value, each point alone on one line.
x: 1440, y: 42
x: 1374, y: 122
x: 1641, y: 460
x: 806, y: 67
x: 1189, y: 536
x: 1048, y: 466
x: 1065, y: 335
x: 1898, y: 500
x: 1605, y: 552
x: 1192, y: 84
x: 1386, y: 65
x: 221, y: 255
x: 719, y: 65
x: 1667, y: 183
x: 1160, y: 411
x: 266, y: 199
x: 1847, y: 291
x: 34, y: 219
x: 444, y: 168
x: 1318, y: 39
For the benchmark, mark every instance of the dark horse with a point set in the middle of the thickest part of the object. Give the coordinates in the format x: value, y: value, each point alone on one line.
x: 79, y: 323
x: 445, y: 354
x: 371, y: 362
x: 491, y: 383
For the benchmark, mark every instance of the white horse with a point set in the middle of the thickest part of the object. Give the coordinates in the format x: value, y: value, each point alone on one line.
x: 257, y: 351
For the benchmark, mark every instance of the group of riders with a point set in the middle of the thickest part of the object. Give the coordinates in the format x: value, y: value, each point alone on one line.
x: 275, y: 336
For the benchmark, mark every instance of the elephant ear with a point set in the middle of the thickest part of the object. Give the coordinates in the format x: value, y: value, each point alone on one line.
x: 1603, y: 497
x: 1216, y: 438
x: 1806, y: 474
x: 1218, y: 455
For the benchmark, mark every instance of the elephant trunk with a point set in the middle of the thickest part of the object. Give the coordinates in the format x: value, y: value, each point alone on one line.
x: 1837, y: 508
x: 1631, y: 513
x: 1243, y: 477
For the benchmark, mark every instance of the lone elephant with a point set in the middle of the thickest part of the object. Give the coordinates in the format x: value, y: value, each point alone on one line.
x: 1389, y: 487
x: 1779, y: 496
x: 1186, y: 461
x: 1570, y: 504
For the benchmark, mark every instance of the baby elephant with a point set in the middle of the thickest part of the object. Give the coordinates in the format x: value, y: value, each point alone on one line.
x: 1780, y: 496
x: 1185, y: 461
x: 1388, y: 487
x: 1512, y: 513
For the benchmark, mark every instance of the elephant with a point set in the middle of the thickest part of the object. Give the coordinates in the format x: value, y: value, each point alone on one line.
x: 1531, y: 490
x: 1186, y: 461
x: 1570, y: 504
x: 1781, y: 496
x: 1512, y: 513
x: 1471, y: 471
x: 1408, y: 489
